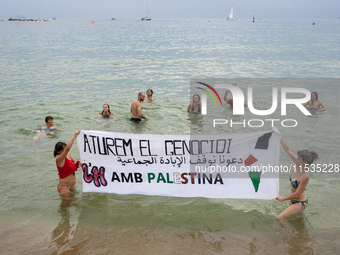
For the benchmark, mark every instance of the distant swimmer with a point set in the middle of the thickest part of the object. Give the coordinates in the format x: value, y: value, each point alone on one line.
x: 136, y: 108
x: 106, y: 113
x: 195, y: 106
x: 313, y: 103
x: 47, y: 129
x: 298, y: 182
x: 230, y: 101
x: 66, y: 166
x: 149, y: 94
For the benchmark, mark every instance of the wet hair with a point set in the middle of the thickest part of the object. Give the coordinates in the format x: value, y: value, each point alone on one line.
x: 140, y: 94
x: 48, y: 118
x: 58, y: 147
x: 307, y: 156
x: 316, y: 95
x: 199, y: 98
x: 151, y: 91
x: 102, y: 112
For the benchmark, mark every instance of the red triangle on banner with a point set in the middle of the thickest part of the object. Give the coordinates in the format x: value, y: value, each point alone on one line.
x: 250, y: 160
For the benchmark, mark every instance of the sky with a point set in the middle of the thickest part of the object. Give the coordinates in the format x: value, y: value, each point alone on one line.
x: 168, y: 9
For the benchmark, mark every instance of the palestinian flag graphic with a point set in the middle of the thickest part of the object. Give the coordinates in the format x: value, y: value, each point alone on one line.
x: 259, y: 151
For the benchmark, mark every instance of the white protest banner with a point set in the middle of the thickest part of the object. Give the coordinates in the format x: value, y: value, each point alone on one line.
x: 212, y: 166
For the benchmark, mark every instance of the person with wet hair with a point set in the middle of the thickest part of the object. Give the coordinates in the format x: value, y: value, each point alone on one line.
x: 149, y: 94
x: 49, y: 124
x: 298, y: 182
x: 66, y: 166
x: 106, y: 113
x: 49, y: 128
x: 314, y: 103
x: 195, y: 106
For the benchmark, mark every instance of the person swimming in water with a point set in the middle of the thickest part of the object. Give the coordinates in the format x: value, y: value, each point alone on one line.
x: 136, y: 109
x: 230, y: 101
x: 66, y: 166
x: 106, y: 113
x: 195, y: 106
x: 149, y: 94
x: 313, y: 103
x: 298, y: 182
x: 47, y: 129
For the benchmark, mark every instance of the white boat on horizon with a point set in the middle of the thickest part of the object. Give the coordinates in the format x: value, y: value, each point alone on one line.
x: 231, y: 14
x: 148, y: 15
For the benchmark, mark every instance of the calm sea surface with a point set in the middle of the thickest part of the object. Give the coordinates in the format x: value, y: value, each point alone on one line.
x: 68, y: 69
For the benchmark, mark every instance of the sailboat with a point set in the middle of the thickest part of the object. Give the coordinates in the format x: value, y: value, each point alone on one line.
x: 231, y: 14
x: 148, y: 15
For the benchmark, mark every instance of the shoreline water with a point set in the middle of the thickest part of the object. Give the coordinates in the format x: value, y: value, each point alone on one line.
x: 158, y: 227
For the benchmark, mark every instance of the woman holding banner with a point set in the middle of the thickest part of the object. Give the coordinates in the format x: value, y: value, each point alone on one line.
x: 298, y: 182
x: 66, y: 166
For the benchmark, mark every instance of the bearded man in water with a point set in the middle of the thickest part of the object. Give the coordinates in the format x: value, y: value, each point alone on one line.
x: 136, y: 108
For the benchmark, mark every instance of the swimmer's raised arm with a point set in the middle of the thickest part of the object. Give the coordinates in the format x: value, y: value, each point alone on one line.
x: 66, y: 149
x: 287, y: 150
x: 226, y: 95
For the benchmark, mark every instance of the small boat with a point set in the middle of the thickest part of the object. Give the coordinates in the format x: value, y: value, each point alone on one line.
x: 231, y: 14
x: 113, y: 19
x: 148, y: 15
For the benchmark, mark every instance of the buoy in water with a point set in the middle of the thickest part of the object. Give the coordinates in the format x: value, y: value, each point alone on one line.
x: 92, y: 22
x: 313, y: 23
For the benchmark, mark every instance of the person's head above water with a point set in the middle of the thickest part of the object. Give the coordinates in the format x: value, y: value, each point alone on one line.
x: 196, y: 98
x: 48, y: 118
x: 141, y: 96
x: 233, y: 83
x: 149, y: 92
x: 314, y: 96
x: 106, y: 108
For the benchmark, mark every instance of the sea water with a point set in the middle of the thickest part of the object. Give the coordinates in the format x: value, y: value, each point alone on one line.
x: 69, y: 68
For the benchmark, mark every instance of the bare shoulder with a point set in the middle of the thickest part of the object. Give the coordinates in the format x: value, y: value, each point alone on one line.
x: 305, y: 175
x: 136, y: 103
